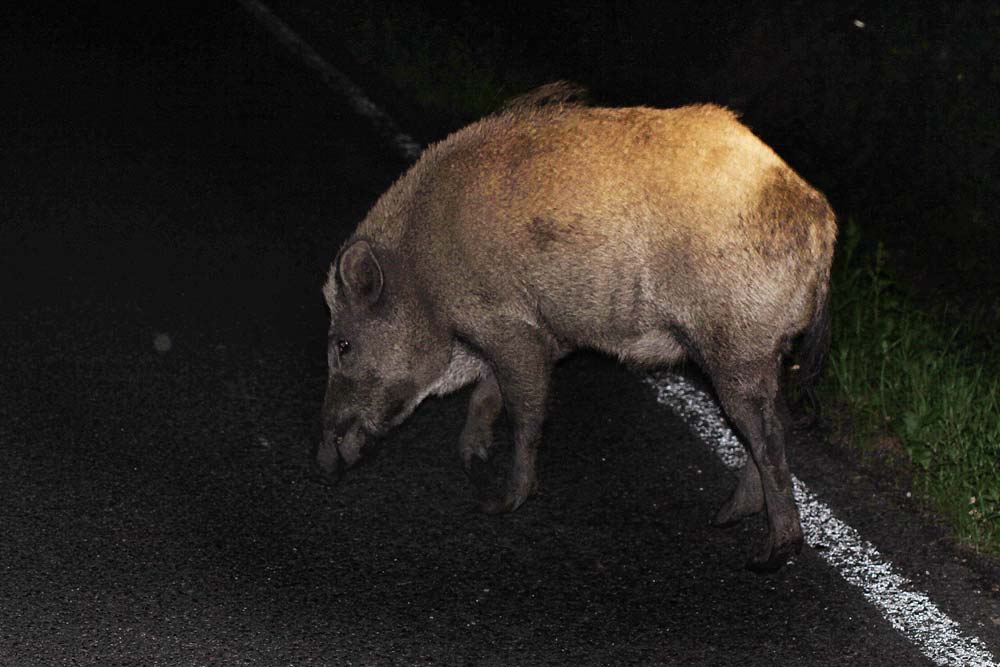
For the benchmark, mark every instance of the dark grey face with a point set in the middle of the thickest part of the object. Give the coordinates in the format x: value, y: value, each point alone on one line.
x: 381, y: 358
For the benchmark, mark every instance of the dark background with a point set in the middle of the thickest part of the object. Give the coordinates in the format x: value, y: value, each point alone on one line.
x: 897, y: 121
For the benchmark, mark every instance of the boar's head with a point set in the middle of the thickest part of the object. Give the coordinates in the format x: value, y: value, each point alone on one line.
x: 385, y: 351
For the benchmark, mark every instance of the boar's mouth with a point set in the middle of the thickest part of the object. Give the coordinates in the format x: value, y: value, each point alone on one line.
x: 343, y: 441
x: 336, y: 452
x: 350, y: 443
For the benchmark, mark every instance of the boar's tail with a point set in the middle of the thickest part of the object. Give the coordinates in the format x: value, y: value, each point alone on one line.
x: 813, y: 346
x: 564, y: 93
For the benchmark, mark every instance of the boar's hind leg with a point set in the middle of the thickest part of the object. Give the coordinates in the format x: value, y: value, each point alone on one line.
x: 753, y: 401
x: 484, y: 407
x: 747, y: 499
x: 522, y: 363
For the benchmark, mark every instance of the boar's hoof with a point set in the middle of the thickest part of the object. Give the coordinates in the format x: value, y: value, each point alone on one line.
x: 746, y: 500
x: 501, y: 505
x: 508, y: 503
x: 323, y: 476
x: 513, y: 499
x: 733, y: 511
x: 474, y: 444
x: 774, y: 556
x: 470, y: 454
x: 478, y: 473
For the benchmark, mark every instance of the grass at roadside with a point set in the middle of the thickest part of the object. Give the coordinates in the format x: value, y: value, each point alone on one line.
x: 903, y: 374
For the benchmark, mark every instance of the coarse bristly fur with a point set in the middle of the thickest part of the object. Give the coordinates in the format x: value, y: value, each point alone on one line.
x: 650, y: 234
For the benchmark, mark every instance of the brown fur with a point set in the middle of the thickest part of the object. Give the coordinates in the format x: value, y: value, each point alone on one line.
x: 649, y: 234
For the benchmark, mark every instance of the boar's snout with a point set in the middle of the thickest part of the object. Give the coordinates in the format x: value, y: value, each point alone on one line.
x: 340, y: 447
x: 326, y: 463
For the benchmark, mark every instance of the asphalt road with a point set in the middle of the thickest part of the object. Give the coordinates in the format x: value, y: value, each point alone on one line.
x: 173, y: 188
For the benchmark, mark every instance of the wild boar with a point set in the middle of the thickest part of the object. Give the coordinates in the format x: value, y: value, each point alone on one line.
x: 652, y: 235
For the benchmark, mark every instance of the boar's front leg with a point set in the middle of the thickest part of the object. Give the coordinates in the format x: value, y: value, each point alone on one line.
x: 522, y: 363
x: 484, y: 408
x: 752, y: 398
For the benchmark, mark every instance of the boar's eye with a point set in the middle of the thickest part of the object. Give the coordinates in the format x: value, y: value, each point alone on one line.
x: 343, y: 347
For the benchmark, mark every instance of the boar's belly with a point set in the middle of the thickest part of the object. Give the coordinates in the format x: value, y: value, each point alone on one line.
x: 653, y: 348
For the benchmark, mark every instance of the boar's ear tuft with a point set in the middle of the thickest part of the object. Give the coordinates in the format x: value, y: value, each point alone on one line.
x: 360, y: 273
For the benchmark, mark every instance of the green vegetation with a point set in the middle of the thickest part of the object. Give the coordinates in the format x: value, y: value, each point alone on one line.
x: 905, y: 374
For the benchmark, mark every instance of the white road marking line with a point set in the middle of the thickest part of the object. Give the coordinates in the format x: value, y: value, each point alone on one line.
x: 909, y: 611
x: 404, y: 144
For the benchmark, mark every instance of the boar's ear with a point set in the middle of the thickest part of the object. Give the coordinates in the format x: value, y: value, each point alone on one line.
x: 360, y: 273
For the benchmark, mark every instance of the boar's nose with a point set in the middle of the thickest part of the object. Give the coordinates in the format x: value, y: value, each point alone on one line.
x: 326, y: 463
x: 339, y: 449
